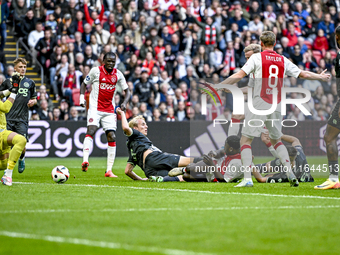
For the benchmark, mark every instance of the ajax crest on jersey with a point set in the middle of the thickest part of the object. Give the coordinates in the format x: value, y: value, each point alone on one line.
x: 114, y: 79
x: 60, y: 174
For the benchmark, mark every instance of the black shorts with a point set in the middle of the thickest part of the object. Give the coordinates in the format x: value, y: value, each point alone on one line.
x: 334, y: 119
x: 19, y: 127
x: 160, y: 163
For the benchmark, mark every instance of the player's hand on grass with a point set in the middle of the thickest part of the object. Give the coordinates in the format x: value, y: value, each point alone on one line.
x: 123, y: 107
x: 324, y: 76
x: 212, y: 154
x: 145, y: 179
x: 208, y: 160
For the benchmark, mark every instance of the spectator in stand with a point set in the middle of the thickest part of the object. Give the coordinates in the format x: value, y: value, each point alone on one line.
x: 74, y: 115
x: 79, y: 61
x: 3, y: 18
x: 316, y: 14
x: 54, y: 60
x: 300, y: 11
x: 33, y: 39
x: 94, y: 15
x: 286, y: 50
x: 109, y: 25
x: 45, y: 47
x: 27, y: 25
x: 326, y: 25
x: 296, y: 57
x: 87, y: 33
x: 44, y: 112
x: 145, y: 112
x: 10, y: 70
x: 147, y: 47
x: 79, y: 45
x: 101, y: 34
x: 321, y: 42
x: 70, y: 82
x: 56, y: 114
x: 256, y: 26
x: 64, y: 110
x: 180, y: 114
x: 89, y: 57
x: 79, y: 22
x: 144, y: 88
x: 148, y: 63
x: 156, y: 115
x: 20, y: 10
x: 119, y: 13
x: 291, y: 34
x: 52, y: 23
x: 96, y: 47
x: 119, y: 34
x: 67, y: 27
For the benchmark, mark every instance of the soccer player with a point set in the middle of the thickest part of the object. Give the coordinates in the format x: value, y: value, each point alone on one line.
x: 220, y: 165
x: 17, y: 117
x: 11, y: 143
x: 104, y: 80
x: 155, y: 163
x: 265, y: 66
x: 236, y: 119
x: 333, y: 130
x: 298, y: 161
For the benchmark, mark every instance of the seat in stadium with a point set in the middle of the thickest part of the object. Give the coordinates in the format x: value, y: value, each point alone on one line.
x: 317, y: 55
x: 75, y: 96
x: 333, y: 54
x: 308, y: 43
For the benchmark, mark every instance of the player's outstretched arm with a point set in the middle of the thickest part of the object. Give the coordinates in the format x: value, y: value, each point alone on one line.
x: 314, y: 76
x: 125, y: 125
x: 126, y: 99
x: 291, y: 139
x: 258, y: 176
x: 6, y: 106
x: 235, y: 78
x: 128, y: 171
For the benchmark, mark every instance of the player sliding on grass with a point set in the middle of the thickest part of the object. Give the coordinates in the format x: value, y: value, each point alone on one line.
x: 104, y: 80
x: 298, y: 161
x: 265, y: 66
x: 333, y: 130
x: 8, y: 156
x: 155, y: 163
x: 220, y: 165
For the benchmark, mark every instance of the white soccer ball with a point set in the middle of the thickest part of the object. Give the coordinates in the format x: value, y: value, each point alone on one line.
x: 60, y: 174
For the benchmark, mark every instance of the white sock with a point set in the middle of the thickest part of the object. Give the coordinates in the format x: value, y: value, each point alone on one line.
x: 21, y: 159
x: 86, y: 148
x: 234, y: 127
x: 8, y: 173
x: 246, y: 157
x: 282, y: 153
x: 111, y: 154
x: 334, y: 178
x: 272, y: 150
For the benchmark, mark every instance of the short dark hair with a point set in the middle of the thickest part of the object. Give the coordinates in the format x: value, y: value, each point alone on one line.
x: 234, y: 142
x: 292, y: 151
x: 109, y: 54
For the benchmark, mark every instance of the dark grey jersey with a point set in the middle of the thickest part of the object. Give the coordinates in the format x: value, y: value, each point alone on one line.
x: 27, y: 91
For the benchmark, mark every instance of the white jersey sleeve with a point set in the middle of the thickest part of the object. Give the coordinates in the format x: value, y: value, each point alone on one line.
x: 251, y: 82
x: 121, y: 80
x: 250, y: 65
x: 233, y: 170
x: 92, y: 75
x: 291, y: 69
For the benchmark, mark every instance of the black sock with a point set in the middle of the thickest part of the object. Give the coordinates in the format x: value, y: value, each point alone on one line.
x: 198, y: 159
x: 262, y: 168
x: 170, y: 179
x: 333, y: 168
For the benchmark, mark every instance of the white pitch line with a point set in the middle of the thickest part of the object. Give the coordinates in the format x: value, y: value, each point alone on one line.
x: 101, y: 244
x: 189, y: 191
x: 172, y: 209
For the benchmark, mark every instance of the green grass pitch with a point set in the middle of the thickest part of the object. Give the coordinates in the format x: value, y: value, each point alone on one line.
x: 91, y: 214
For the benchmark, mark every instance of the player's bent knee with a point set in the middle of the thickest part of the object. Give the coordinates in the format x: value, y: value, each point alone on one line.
x: 20, y: 141
x: 111, y: 135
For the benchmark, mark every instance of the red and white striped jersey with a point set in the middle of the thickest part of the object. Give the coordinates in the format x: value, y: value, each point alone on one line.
x: 269, y: 69
x: 104, y: 87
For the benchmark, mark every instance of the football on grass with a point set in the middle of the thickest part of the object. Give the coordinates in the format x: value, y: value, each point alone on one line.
x: 60, y: 174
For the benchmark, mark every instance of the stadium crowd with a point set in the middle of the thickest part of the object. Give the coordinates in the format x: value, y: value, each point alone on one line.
x: 166, y: 47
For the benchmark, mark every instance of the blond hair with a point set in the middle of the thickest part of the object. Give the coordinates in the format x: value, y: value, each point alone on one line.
x: 134, y: 122
x: 268, y: 38
x: 20, y: 60
x: 256, y: 48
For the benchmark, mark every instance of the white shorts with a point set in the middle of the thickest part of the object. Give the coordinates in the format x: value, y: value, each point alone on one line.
x: 274, y: 127
x: 107, y: 119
